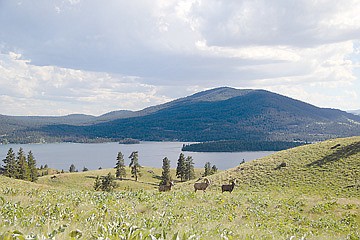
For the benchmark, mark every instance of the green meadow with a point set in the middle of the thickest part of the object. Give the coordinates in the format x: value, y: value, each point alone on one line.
x: 308, y: 192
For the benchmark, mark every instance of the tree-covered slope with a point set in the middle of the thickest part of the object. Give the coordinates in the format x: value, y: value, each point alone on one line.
x: 217, y: 114
x: 9, y: 124
x: 254, y: 115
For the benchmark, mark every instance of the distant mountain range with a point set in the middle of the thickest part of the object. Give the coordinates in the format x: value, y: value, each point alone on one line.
x: 217, y: 114
x: 356, y: 112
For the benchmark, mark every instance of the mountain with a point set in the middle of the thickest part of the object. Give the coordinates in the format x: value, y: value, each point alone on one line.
x: 13, y: 123
x: 212, y: 115
x: 356, y: 112
x: 218, y: 114
x: 213, y: 95
x: 10, y: 124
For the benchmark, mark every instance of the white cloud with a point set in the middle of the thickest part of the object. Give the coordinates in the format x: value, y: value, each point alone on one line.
x: 294, y: 23
x: 49, y: 90
x: 92, y: 56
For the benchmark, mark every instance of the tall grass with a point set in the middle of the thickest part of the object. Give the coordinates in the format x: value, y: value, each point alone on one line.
x: 303, y: 200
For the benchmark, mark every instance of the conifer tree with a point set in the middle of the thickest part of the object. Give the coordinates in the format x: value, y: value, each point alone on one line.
x: 207, y: 169
x: 10, y: 166
x: 97, y: 183
x: 120, y: 166
x: 165, y: 177
x: 108, y: 183
x: 214, y: 169
x: 189, y: 166
x: 135, y: 166
x: 72, y: 168
x: 181, y: 168
x: 22, y: 165
x: 32, y: 167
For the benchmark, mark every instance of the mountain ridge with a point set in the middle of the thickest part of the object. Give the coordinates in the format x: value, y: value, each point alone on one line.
x: 216, y: 114
x: 356, y: 112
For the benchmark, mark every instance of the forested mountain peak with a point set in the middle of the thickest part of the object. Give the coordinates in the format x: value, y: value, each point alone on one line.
x: 212, y: 95
x: 212, y: 115
x: 216, y: 94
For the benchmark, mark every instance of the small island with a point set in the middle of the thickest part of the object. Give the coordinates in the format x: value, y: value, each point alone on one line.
x: 129, y: 141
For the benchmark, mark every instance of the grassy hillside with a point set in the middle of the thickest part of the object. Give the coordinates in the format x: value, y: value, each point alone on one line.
x: 315, y: 196
x: 149, y: 180
x: 332, y: 166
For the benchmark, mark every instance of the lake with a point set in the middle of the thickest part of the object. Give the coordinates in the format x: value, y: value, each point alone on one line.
x: 95, y: 155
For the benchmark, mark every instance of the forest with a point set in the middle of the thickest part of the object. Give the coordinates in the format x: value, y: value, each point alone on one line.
x: 240, y: 146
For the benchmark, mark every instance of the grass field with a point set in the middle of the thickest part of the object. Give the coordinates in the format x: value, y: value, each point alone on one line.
x: 314, y: 195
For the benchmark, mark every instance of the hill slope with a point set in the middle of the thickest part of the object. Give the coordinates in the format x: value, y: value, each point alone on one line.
x: 250, y: 115
x: 330, y: 166
x: 217, y: 114
x: 315, y: 196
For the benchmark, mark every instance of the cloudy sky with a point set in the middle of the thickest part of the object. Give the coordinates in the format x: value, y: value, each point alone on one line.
x: 60, y: 57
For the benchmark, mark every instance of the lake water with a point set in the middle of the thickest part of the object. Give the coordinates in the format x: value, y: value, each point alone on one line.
x: 95, y: 155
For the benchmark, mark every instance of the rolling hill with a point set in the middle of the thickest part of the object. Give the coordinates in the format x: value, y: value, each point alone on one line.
x: 329, y: 166
x: 217, y: 114
x: 314, y: 195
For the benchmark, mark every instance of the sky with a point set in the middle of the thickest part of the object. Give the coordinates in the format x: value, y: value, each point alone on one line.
x: 60, y: 57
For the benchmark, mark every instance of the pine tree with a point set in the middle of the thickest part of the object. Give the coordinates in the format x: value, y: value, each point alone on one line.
x: 85, y: 169
x: 165, y: 177
x: 108, y: 183
x: 97, y: 183
x: 180, y: 169
x: 189, y: 166
x: 207, y: 169
x: 32, y: 167
x: 120, y: 166
x: 135, y: 166
x: 72, y: 168
x: 10, y: 164
x: 22, y: 165
x: 214, y: 169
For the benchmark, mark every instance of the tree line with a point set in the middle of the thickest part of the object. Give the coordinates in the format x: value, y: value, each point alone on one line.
x: 108, y: 182
x: 239, y: 146
x: 184, y: 170
x: 20, y: 165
